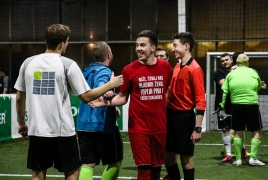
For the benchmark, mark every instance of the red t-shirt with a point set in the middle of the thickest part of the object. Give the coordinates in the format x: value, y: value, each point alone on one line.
x: 187, y: 90
x: 147, y: 86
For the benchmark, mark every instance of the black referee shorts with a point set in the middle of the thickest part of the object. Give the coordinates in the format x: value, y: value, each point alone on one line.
x: 180, y: 126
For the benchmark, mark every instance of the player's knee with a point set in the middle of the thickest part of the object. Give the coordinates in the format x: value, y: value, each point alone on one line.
x: 187, y: 162
x: 171, y: 159
x: 226, y: 133
x: 144, y: 167
x: 225, y: 129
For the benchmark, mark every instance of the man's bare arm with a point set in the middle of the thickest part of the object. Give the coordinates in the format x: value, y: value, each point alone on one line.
x: 118, y: 100
x: 263, y: 85
x: 5, y: 91
x: 95, y: 93
x: 20, y: 107
x: 221, y: 82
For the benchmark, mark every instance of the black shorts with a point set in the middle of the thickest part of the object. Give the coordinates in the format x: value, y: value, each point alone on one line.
x: 180, y: 126
x: 246, y: 116
x: 63, y: 152
x: 226, y: 123
x: 96, y: 146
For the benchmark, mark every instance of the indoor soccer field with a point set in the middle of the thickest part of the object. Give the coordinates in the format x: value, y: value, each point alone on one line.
x: 218, y: 26
x: 208, y: 165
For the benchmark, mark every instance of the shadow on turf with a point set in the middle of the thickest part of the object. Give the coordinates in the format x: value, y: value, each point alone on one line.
x: 130, y: 168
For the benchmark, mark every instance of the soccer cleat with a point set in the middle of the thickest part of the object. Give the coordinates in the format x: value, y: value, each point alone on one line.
x: 237, y: 162
x: 255, y: 162
x: 166, y: 177
x: 244, y: 153
x: 226, y: 159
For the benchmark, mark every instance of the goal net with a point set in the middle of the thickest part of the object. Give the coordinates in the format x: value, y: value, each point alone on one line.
x: 258, y: 61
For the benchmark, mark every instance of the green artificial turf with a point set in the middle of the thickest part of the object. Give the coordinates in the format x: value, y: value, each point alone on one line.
x: 207, y: 159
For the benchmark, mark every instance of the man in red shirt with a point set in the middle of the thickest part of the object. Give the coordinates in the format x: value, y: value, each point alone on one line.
x: 186, y: 92
x: 146, y: 81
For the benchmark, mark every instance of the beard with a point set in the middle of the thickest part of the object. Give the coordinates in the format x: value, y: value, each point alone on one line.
x: 146, y: 57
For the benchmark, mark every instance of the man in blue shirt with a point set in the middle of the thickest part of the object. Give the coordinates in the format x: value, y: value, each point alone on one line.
x: 98, y: 134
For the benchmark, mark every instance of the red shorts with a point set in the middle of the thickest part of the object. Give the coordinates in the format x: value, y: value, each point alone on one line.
x: 148, y: 149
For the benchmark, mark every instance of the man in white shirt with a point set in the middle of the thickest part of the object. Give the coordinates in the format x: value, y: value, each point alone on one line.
x: 43, y: 88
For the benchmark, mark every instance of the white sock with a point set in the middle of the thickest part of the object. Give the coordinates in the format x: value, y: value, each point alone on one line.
x: 226, y: 139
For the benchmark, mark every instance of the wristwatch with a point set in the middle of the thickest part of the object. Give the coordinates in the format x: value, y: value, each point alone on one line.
x: 198, y: 129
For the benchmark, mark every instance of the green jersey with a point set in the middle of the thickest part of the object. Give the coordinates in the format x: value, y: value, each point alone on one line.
x: 243, y: 83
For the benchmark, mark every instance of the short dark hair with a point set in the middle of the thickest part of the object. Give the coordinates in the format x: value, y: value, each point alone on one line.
x: 100, y: 50
x: 185, y: 37
x: 3, y: 70
x: 151, y: 35
x: 235, y: 55
x: 225, y: 54
x: 162, y: 49
x: 55, y: 34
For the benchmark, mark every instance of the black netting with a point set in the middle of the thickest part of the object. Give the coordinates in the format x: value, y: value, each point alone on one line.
x: 143, y: 13
x: 72, y: 16
x: 94, y: 20
x: 167, y: 19
x: 4, y: 30
x: 45, y: 13
x: 119, y: 20
x: 21, y: 21
x: 256, y: 24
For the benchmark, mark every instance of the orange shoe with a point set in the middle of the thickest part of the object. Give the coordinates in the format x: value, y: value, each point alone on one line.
x: 226, y: 159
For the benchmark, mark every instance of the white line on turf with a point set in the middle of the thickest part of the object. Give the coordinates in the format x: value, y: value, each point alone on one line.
x: 55, y: 176
x: 61, y: 176
x: 204, y: 144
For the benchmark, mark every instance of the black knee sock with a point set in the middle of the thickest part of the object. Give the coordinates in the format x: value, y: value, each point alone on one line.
x: 174, y: 172
x: 155, y: 173
x: 188, y: 174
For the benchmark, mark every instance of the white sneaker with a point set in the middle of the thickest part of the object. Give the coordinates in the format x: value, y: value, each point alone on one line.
x: 255, y: 162
x: 237, y: 162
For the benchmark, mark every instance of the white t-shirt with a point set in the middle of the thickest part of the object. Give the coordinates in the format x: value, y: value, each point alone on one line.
x: 47, y: 102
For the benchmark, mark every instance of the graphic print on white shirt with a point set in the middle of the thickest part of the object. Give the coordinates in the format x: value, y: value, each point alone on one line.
x: 44, y: 83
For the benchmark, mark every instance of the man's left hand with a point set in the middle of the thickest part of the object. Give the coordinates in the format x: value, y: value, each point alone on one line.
x: 196, y: 137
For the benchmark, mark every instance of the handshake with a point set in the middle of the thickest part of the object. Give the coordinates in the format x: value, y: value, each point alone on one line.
x: 221, y: 113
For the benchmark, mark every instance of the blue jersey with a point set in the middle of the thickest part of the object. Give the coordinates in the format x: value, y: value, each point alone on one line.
x: 96, y: 119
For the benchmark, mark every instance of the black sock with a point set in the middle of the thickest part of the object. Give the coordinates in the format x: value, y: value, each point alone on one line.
x: 188, y: 174
x: 174, y: 172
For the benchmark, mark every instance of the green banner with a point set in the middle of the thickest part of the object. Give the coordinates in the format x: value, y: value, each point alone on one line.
x: 5, y: 118
x: 75, y: 103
